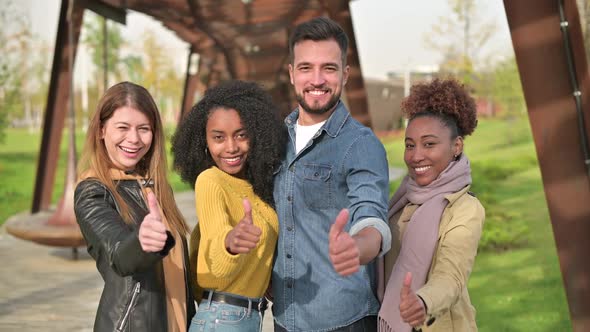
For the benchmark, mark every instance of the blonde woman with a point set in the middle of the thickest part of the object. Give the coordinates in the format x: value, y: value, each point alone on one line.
x: 127, y: 214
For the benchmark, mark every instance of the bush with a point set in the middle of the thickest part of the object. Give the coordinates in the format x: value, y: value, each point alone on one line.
x: 504, y: 228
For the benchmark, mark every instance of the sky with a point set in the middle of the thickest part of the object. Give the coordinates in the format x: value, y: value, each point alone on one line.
x: 389, y: 33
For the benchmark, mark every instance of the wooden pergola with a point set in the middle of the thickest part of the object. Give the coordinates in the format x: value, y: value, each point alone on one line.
x: 247, y: 39
x: 234, y: 39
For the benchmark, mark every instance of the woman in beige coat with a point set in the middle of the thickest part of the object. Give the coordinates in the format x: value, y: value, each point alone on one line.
x: 436, y: 218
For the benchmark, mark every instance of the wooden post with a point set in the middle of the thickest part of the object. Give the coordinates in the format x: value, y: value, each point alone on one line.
x: 57, y: 105
x: 535, y: 28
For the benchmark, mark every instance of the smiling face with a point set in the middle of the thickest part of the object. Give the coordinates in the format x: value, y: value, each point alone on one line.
x: 127, y: 136
x: 429, y: 149
x: 227, y: 141
x: 318, y: 75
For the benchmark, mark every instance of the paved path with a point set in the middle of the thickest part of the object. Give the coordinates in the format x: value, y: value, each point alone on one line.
x: 43, y: 289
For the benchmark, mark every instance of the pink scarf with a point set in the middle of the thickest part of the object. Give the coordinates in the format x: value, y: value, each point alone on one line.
x: 419, y: 240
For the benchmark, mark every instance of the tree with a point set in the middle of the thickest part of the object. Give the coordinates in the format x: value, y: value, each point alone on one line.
x: 158, y: 73
x: 34, y: 89
x: 460, y: 38
x: 172, y: 93
x: 507, y: 88
x: 133, y: 68
x: 93, y: 37
x: 15, y: 42
x: 156, y: 63
x: 149, y: 65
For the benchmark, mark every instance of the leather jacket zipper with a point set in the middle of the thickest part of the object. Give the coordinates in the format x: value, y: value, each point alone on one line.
x: 134, y: 296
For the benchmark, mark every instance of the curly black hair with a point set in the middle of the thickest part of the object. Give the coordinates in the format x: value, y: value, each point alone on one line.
x: 446, y: 99
x: 267, y: 134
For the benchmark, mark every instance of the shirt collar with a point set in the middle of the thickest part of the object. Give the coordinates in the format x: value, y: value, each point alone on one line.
x: 332, y: 126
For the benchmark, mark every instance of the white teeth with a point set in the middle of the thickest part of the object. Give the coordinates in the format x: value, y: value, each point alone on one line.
x: 231, y: 160
x: 129, y: 150
x: 422, y: 169
x: 317, y: 92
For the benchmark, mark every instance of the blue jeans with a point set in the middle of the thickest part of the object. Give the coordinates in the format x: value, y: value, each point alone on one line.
x: 222, y: 317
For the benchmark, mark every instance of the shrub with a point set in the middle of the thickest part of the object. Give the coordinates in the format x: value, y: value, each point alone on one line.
x: 504, y: 228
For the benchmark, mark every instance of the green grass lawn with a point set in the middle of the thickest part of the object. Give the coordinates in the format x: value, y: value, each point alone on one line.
x: 18, y: 167
x: 516, y: 283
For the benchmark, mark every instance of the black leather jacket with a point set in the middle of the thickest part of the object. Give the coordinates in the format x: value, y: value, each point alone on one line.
x: 134, y: 297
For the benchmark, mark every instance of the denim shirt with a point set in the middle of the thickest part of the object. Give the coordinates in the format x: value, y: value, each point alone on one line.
x: 343, y: 166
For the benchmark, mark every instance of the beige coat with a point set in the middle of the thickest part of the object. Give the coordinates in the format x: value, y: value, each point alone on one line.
x: 445, y: 292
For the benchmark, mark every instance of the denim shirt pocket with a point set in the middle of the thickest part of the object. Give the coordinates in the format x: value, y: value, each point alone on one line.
x: 317, y: 185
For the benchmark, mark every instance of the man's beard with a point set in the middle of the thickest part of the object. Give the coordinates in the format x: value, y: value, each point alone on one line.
x: 317, y: 110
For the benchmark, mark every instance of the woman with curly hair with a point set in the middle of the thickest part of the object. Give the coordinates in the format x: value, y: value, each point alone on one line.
x: 228, y: 146
x: 437, y: 220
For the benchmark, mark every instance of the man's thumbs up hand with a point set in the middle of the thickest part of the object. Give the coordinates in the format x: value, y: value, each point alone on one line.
x: 343, y: 249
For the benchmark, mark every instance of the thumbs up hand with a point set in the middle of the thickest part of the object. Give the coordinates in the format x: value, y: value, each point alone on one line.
x: 245, y: 235
x: 152, y: 232
x: 343, y: 249
x: 411, y: 307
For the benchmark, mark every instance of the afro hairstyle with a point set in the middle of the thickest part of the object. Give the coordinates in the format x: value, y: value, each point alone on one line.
x: 445, y: 99
x: 259, y: 116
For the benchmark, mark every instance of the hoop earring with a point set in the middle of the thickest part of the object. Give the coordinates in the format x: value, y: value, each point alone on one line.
x: 206, y: 150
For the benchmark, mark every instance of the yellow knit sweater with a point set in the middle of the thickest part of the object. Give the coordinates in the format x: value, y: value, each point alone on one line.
x: 219, y: 208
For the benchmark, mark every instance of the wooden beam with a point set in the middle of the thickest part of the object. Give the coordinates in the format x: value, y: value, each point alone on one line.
x: 57, y: 104
x: 543, y: 67
x: 113, y: 13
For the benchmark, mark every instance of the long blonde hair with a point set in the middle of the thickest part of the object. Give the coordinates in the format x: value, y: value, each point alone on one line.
x: 153, y: 165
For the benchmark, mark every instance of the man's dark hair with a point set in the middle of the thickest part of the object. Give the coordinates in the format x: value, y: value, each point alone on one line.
x: 318, y: 29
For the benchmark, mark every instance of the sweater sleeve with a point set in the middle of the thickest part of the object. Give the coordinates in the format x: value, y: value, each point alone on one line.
x: 454, y: 258
x: 215, y: 223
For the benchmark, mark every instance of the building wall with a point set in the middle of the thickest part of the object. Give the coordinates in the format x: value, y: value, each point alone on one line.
x: 384, y: 103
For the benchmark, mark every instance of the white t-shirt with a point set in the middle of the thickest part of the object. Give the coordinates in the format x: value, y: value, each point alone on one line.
x: 304, y: 134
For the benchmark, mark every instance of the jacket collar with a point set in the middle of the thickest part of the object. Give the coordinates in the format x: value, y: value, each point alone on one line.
x: 455, y: 196
x: 333, y: 125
